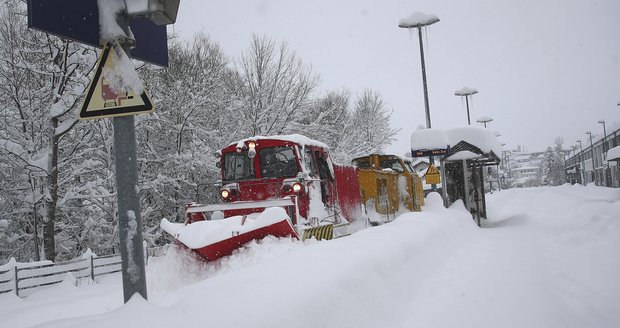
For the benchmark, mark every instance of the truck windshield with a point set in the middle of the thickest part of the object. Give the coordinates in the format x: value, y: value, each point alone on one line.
x: 393, y: 164
x: 238, y: 166
x: 278, y: 162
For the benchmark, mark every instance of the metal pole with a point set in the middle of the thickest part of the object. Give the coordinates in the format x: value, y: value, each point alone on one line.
x: 37, y: 256
x: 467, y: 104
x: 592, y: 153
x: 129, y: 219
x: 427, y: 110
x: 426, y: 106
x: 604, y: 154
x: 582, y: 166
x: 16, y: 280
x: 444, y: 187
x: 466, y: 186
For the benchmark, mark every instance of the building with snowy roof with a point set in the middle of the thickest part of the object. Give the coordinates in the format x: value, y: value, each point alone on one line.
x: 597, y: 162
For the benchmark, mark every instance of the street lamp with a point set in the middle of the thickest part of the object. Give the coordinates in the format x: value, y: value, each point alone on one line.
x: 581, y: 174
x: 484, y: 120
x: 419, y: 20
x: 604, y: 154
x: 592, y: 152
x: 466, y: 92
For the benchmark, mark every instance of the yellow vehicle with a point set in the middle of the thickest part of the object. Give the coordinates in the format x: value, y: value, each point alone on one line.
x: 387, y: 182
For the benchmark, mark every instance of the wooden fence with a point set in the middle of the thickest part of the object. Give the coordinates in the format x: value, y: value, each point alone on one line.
x: 22, y: 278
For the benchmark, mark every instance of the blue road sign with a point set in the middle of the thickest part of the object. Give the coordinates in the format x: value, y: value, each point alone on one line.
x: 79, y: 20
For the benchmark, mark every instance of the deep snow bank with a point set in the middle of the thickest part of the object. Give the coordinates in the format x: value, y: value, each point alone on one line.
x: 546, y: 257
x: 316, y: 285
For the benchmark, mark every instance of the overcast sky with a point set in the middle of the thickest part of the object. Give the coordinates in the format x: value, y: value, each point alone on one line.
x: 543, y: 68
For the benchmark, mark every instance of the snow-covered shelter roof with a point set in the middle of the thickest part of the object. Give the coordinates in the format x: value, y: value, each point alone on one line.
x: 463, y: 155
x: 475, y: 142
x: 467, y: 142
x: 426, y: 139
x: 614, y: 154
x: 482, y: 138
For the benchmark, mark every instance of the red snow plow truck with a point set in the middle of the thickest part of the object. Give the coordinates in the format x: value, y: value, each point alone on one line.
x: 284, y: 185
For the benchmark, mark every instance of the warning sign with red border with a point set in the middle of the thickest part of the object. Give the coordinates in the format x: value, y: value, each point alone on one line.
x: 102, y: 101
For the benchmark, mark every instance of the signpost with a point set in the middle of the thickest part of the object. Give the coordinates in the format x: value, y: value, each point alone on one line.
x: 80, y: 20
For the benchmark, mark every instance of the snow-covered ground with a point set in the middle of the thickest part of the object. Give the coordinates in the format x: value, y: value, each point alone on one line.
x: 546, y: 257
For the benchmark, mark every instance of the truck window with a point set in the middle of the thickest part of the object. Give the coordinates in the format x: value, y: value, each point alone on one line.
x: 278, y: 162
x: 238, y: 166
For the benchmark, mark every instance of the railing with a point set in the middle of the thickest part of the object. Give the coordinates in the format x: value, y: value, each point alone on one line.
x: 22, y: 278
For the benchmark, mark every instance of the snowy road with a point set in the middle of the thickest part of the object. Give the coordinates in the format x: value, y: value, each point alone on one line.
x: 547, y: 257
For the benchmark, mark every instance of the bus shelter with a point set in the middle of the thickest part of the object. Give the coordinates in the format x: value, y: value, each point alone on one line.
x: 469, y: 150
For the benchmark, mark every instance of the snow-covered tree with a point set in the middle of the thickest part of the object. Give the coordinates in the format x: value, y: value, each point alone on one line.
x: 193, y: 119
x: 276, y: 86
x: 57, y: 186
x: 42, y: 78
x: 552, y: 166
x: 370, y: 126
x: 325, y: 119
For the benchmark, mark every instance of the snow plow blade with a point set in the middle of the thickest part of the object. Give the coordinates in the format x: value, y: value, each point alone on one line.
x: 325, y: 232
x: 218, y: 238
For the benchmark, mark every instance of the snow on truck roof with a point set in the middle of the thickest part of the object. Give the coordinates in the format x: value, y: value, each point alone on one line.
x: 296, y: 138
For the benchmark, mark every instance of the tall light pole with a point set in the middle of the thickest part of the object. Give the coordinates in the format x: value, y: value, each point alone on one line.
x: 484, y: 120
x: 582, y: 167
x: 604, y: 153
x: 592, y: 154
x: 419, y: 20
x: 466, y: 92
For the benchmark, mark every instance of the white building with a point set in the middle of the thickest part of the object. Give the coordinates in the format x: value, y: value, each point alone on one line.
x: 524, y: 168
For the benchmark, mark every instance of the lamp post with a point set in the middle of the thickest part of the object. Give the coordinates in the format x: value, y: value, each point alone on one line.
x: 484, y: 120
x: 592, y: 153
x: 419, y: 20
x: 573, y: 159
x: 581, y: 174
x: 604, y: 153
x: 466, y: 92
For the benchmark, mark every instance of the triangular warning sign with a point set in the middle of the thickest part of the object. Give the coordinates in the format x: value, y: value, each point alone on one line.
x: 432, y: 170
x: 432, y: 175
x: 102, y: 101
